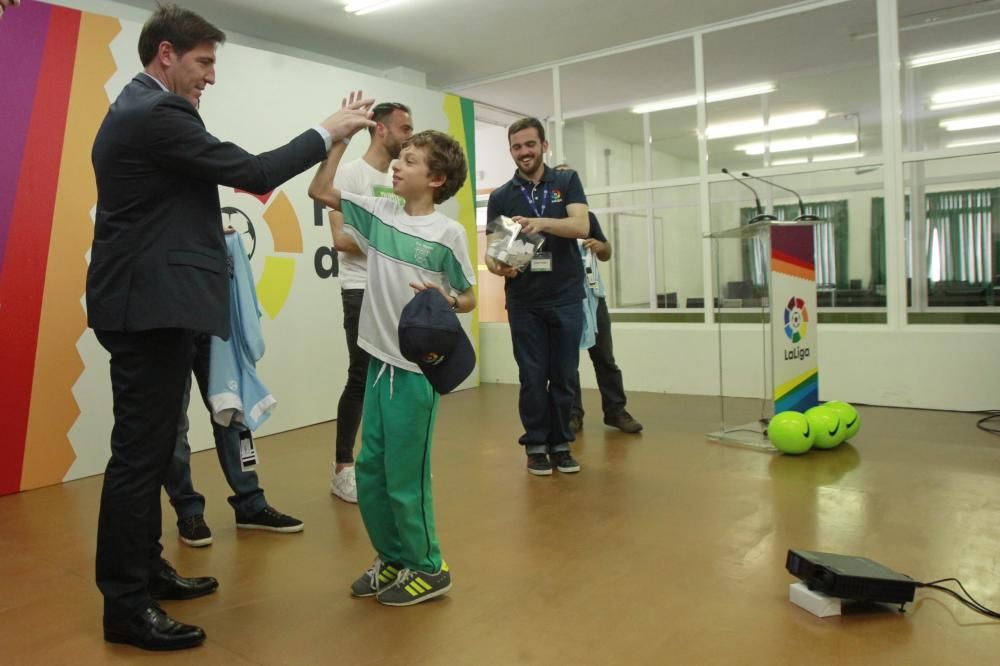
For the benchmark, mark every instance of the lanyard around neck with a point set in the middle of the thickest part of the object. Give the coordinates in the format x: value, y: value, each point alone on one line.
x: 531, y: 201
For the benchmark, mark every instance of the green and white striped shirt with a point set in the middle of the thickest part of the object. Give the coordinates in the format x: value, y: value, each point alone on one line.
x: 401, y: 249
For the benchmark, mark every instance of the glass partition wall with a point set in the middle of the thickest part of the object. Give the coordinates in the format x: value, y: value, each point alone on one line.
x: 839, y: 105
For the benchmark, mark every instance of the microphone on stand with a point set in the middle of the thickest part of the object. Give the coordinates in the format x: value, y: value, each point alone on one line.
x: 760, y: 216
x: 803, y: 217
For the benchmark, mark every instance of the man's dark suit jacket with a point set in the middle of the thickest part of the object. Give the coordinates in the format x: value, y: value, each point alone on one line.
x: 159, y: 257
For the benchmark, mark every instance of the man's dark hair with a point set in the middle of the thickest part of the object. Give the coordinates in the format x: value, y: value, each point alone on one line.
x: 383, y: 110
x: 445, y: 157
x: 181, y: 27
x: 526, y: 123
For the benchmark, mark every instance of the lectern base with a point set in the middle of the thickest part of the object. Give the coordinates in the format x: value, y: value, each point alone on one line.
x: 750, y: 435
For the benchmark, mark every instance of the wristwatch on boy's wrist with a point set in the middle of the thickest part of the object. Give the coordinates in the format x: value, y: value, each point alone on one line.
x: 454, y: 302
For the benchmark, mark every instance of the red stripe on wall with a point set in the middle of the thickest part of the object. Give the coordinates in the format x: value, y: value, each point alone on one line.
x: 795, y: 261
x: 23, y: 278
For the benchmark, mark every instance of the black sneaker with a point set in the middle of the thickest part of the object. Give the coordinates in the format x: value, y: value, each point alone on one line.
x: 194, y: 532
x: 269, y: 519
x: 565, y: 462
x: 624, y: 422
x: 539, y: 465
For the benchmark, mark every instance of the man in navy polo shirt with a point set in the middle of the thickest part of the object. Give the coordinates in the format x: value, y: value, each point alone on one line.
x: 543, y: 300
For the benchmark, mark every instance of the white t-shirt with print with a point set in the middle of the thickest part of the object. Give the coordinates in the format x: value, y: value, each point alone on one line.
x: 402, y: 249
x: 360, y: 177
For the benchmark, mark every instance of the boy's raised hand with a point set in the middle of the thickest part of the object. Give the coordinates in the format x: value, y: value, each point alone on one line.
x: 7, y: 4
x: 354, y: 116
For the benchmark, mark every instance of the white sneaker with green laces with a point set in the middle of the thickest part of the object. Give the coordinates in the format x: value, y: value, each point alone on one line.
x: 413, y: 587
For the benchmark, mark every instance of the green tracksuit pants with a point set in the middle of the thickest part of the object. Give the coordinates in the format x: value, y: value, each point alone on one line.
x: 393, y: 470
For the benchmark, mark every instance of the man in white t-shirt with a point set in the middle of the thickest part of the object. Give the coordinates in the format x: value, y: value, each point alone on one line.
x: 367, y: 176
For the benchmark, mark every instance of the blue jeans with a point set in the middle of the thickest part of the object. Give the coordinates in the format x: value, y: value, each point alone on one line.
x: 607, y: 372
x: 547, y: 350
x: 248, y: 498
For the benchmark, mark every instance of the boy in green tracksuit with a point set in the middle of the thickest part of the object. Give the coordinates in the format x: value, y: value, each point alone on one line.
x: 410, y: 248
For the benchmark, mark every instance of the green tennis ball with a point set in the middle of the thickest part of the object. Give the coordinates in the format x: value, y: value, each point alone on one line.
x: 790, y: 432
x: 826, y: 423
x: 849, y: 419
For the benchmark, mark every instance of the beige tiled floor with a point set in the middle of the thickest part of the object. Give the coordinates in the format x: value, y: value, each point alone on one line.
x: 665, y: 549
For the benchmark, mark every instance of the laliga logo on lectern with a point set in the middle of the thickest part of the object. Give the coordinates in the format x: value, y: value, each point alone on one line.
x: 796, y: 326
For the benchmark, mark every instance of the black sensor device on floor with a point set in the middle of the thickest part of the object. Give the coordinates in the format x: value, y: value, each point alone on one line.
x: 850, y: 577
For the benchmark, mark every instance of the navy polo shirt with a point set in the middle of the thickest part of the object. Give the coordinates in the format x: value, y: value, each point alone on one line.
x: 564, y: 283
x: 595, y: 229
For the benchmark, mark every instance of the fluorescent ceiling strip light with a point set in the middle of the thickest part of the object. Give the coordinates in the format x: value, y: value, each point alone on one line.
x: 757, y: 126
x: 715, y: 96
x: 362, y: 7
x: 838, y: 156
x: 789, y: 161
x: 973, y: 142
x: 949, y: 55
x: 970, y: 122
x: 799, y: 143
x: 968, y: 96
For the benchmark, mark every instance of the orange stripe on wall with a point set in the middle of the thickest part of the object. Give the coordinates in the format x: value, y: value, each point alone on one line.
x: 794, y: 270
x: 48, y: 453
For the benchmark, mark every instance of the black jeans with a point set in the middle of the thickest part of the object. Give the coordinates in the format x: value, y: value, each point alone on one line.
x: 609, y: 375
x: 248, y: 497
x: 547, y: 350
x: 352, y: 399
x: 149, y: 372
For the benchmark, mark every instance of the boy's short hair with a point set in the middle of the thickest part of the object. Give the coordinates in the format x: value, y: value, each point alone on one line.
x: 383, y: 110
x: 526, y: 123
x: 445, y: 157
x: 181, y: 27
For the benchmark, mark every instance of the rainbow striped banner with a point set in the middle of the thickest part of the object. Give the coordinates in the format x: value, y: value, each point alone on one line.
x: 54, y: 101
x: 793, y: 318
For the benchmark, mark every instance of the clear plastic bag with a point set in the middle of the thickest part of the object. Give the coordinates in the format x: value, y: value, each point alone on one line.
x: 507, y: 243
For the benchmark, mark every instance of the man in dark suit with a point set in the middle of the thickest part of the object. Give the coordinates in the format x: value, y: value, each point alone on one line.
x: 158, y: 276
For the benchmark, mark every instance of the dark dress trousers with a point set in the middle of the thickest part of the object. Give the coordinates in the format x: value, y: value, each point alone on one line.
x: 157, y: 276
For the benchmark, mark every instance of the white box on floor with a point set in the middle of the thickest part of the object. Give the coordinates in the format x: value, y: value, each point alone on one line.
x: 816, y: 603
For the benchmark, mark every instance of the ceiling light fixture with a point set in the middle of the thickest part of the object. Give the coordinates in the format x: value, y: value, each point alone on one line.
x: 970, y: 122
x: 949, y: 55
x: 973, y: 142
x: 714, y: 96
x: 757, y: 126
x: 968, y: 96
x: 362, y: 7
x: 799, y: 143
x: 837, y: 156
x: 789, y: 161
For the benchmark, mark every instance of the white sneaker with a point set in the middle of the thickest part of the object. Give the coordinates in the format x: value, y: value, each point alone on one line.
x: 344, y: 486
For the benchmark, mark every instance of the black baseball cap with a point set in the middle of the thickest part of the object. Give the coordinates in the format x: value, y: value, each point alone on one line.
x: 431, y: 336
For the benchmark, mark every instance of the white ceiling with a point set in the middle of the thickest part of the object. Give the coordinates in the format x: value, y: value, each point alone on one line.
x: 460, y: 40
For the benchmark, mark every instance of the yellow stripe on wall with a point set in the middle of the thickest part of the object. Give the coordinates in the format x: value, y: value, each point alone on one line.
x: 465, y: 197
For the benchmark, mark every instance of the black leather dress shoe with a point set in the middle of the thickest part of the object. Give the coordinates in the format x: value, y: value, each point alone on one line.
x: 152, y: 629
x: 167, y: 584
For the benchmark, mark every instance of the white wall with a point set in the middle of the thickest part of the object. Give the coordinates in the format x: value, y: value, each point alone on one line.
x: 932, y: 367
x: 494, y: 165
x: 261, y: 100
